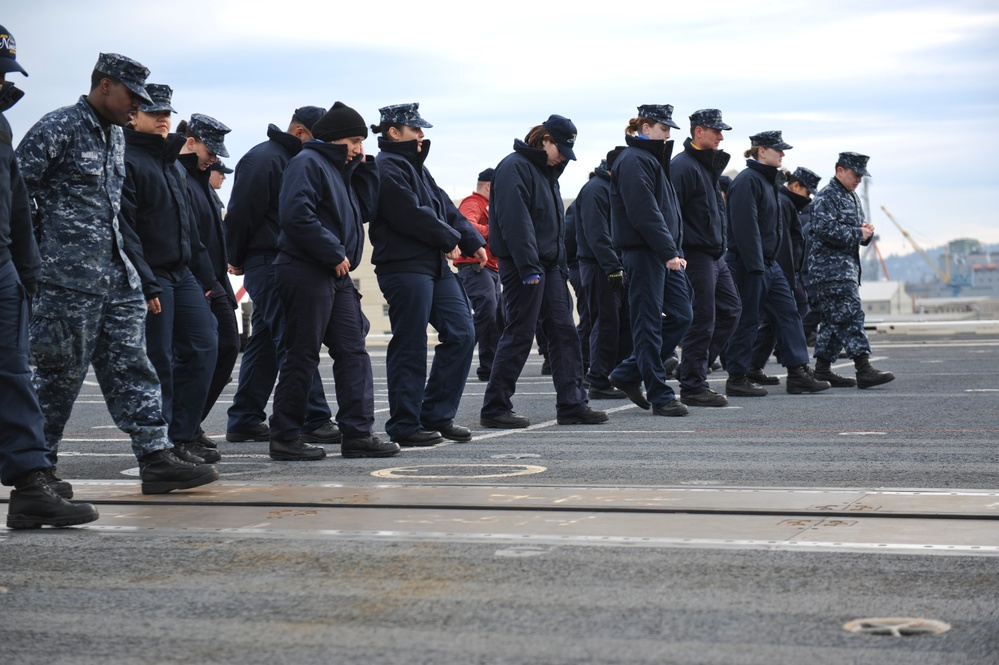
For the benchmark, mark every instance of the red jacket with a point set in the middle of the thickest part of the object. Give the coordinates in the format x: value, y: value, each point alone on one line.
x: 475, y: 208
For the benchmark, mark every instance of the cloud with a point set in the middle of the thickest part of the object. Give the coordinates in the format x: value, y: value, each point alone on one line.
x: 910, y: 83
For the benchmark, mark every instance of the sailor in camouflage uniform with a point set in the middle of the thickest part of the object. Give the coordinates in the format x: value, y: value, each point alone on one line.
x: 836, y: 232
x: 90, y: 307
x: 38, y: 497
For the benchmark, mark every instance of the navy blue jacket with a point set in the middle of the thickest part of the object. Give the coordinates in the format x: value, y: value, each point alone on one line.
x: 417, y: 223
x: 324, y: 204
x: 154, y: 205
x: 593, y: 233
x: 754, y: 215
x: 791, y: 255
x: 209, y: 223
x: 571, y: 246
x: 645, y: 213
x: 694, y: 174
x: 526, y: 214
x: 17, y: 239
x: 251, y: 221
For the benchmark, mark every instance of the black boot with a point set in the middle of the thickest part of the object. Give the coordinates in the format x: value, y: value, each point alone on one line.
x: 740, y: 385
x: 207, y: 455
x: 757, y: 375
x: 295, y: 451
x: 867, y: 376
x: 33, y: 504
x: 206, y: 441
x: 367, y: 446
x: 58, y: 485
x: 823, y: 372
x: 163, y: 471
x: 800, y: 380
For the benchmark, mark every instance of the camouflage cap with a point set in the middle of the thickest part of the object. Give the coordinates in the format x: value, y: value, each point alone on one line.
x: 564, y: 133
x: 770, y: 139
x: 160, y: 93
x: 486, y: 175
x: 810, y: 179
x: 126, y: 70
x: 210, y: 131
x: 404, y: 114
x: 710, y: 118
x: 219, y: 165
x: 8, y: 53
x: 855, y: 162
x: 659, y: 112
x: 309, y: 115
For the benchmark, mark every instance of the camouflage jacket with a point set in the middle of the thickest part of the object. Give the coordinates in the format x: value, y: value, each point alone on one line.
x: 74, y: 173
x: 835, y: 236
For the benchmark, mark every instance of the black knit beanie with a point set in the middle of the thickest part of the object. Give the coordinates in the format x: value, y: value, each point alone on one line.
x: 340, y: 122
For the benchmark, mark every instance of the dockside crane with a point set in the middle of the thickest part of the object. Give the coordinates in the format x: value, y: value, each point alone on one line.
x: 944, y: 276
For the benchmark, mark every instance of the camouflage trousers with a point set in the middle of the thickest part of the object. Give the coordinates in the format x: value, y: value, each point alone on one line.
x: 70, y: 330
x: 841, y: 320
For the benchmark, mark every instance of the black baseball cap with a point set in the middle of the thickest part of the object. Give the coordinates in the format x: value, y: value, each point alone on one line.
x: 8, y: 53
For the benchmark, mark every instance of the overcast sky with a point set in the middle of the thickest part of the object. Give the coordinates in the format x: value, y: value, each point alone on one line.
x: 913, y: 84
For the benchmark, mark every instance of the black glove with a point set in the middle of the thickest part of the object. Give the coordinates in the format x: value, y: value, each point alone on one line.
x: 616, y: 280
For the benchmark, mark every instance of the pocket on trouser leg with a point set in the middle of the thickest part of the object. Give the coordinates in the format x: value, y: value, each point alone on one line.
x: 14, y: 310
x: 53, y: 343
x: 365, y: 324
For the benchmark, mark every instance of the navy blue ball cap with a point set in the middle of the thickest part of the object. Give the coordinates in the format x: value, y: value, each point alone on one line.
x: 308, y: 115
x: 564, y: 133
x: 8, y: 53
x: 219, y: 165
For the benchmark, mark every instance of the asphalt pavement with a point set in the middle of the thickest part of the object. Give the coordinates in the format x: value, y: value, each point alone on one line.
x: 747, y: 534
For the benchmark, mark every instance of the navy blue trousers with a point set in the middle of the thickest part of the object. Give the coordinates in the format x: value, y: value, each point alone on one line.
x: 321, y: 308
x: 716, y: 306
x: 766, y: 337
x: 182, y: 343
x: 610, y: 333
x: 228, y: 331
x: 767, y: 292
x: 653, y: 291
x: 549, y: 304
x: 22, y: 439
x: 584, y: 327
x: 483, y: 289
x: 416, y: 300
x: 263, y: 355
